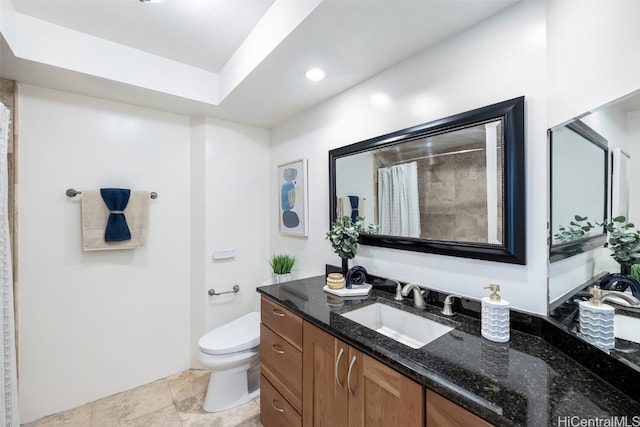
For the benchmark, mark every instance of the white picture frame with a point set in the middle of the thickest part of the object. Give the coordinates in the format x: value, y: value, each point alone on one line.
x: 292, y: 191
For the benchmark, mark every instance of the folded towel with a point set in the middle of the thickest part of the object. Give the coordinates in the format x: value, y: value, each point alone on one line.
x: 344, y: 207
x: 116, y: 200
x: 95, y: 216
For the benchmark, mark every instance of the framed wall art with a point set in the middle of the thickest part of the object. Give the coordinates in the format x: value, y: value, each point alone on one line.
x: 292, y: 189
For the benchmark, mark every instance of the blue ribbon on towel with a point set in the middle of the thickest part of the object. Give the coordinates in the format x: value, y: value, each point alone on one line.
x: 116, y: 200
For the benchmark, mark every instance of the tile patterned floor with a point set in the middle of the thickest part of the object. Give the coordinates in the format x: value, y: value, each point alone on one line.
x: 175, y: 401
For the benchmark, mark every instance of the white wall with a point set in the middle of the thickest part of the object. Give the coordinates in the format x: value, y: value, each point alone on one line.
x: 95, y: 323
x: 113, y: 320
x: 592, y: 54
x: 592, y: 59
x: 228, y: 209
x: 236, y: 206
x: 502, y: 58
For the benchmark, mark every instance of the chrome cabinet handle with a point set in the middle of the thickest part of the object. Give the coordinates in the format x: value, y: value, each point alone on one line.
x: 273, y: 347
x: 353, y: 362
x: 277, y: 312
x: 337, y: 363
x: 273, y: 403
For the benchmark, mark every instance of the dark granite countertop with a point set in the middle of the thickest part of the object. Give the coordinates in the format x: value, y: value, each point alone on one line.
x: 525, y: 382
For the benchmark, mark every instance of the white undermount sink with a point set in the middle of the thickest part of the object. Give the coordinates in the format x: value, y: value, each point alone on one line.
x: 407, y: 328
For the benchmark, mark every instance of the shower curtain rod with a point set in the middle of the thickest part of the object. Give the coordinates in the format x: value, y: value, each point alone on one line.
x: 471, y: 150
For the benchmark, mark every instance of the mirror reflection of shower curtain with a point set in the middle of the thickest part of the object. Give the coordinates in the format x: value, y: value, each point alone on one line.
x: 399, y: 207
x: 9, y: 415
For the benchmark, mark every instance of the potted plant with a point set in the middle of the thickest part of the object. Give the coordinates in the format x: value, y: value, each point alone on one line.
x: 281, y: 266
x: 624, y: 244
x: 344, y: 235
x: 624, y: 241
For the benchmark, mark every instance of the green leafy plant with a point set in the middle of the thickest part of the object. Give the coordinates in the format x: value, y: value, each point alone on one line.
x: 344, y: 234
x: 576, y: 229
x: 282, y: 264
x: 624, y: 240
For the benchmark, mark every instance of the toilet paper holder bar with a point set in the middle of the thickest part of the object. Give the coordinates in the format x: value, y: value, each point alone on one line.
x: 236, y: 288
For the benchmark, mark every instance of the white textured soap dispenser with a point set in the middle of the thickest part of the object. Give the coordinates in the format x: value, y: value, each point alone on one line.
x: 596, y: 320
x: 495, y: 316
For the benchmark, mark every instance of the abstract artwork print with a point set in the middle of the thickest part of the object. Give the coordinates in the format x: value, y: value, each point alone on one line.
x: 292, y: 187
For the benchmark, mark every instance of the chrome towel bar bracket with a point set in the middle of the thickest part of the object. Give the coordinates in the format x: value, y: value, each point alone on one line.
x: 236, y: 288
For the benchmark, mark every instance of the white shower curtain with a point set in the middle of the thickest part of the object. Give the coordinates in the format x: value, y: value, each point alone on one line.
x: 9, y: 415
x: 399, y: 207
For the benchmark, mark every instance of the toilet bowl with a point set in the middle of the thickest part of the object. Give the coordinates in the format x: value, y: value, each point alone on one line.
x: 231, y: 351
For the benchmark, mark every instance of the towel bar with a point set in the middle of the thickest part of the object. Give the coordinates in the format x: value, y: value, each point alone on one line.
x: 73, y: 193
x: 236, y: 288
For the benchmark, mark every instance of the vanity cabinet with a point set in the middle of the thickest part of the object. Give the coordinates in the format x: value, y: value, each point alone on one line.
x: 311, y: 378
x: 443, y: 412
x: 280, y: 366
x: 344, y: 387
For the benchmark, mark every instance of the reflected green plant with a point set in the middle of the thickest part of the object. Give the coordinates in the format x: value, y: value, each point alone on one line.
x: 577, y: 229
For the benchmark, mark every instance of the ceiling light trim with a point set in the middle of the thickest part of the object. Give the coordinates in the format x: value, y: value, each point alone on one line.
x: 40, y: 41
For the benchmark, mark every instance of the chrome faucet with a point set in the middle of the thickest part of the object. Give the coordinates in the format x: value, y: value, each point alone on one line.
x: 620, y: 283
x: 600, y: 295
x: 418, y: 299
x: 446, y: 309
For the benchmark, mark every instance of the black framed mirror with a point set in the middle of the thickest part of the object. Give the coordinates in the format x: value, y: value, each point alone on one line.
x: 454, y: 186
x: 578, y: 188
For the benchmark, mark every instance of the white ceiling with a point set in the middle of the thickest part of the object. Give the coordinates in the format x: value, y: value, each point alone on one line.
x: 351, y: 39
x: 202, y: 33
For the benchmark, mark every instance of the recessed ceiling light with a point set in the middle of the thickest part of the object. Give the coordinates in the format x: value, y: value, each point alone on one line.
x: 315, y: 74
x: 150, y: 1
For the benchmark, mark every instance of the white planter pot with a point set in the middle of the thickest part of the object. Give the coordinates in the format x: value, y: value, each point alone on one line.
x: 281, y: 278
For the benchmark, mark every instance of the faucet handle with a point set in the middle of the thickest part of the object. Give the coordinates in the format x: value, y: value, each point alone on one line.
x: 446, y: 308
x: 398, y: 296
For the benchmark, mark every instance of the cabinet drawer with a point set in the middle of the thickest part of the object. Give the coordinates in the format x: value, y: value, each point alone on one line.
x: 281, y: 363
x: 275, y: 411
x: 282, y: 321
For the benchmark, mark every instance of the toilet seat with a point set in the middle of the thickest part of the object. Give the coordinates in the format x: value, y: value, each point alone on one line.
x: 238, y: 335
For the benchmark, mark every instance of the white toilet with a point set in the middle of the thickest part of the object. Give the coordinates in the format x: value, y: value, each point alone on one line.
x: 231, y: 351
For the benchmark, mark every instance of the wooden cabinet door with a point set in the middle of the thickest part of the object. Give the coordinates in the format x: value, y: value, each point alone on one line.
x: 382, y: 397
x: 443, y: 412
x: 324, y: 364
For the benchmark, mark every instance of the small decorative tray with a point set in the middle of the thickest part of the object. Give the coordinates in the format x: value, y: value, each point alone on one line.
x: 356, y: 290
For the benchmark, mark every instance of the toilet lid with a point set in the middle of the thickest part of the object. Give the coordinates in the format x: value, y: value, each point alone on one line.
x: 240, y: 334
